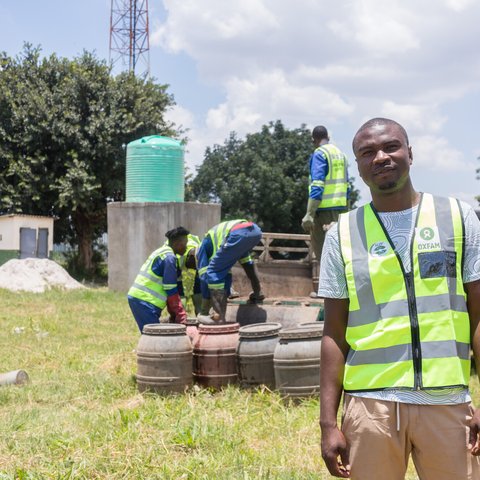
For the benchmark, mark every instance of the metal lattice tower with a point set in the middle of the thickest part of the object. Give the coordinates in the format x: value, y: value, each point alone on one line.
x: 129, y: 36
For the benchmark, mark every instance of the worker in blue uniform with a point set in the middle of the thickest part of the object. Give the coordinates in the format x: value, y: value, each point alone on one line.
x: 155, y: 287
x: 224, y: 245
x: 328, y: 188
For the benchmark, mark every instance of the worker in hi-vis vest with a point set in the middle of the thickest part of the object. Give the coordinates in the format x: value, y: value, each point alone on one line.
x: 327, y: 189
x: 224, y: 245
x: 401, y: 281
x: 155, y: 286
x: 188, y: 267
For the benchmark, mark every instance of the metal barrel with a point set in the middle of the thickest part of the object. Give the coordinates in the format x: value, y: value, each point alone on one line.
x: 164, y: 359
x: 296, y: 361
x: 214, y: 355
x: 255, y: 349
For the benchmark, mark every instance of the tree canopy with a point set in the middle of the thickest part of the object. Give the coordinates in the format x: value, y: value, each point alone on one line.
x: 263, y: 178
x: 64, y: 125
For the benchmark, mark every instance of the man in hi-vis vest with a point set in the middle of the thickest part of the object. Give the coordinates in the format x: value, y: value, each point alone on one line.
x: 327, y: 189
x: 155, y: 287
x: 401, y: 282
x: 224, y: 245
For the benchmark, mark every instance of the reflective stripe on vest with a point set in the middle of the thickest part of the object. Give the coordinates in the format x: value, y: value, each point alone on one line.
x: 219, y: 233
x: 410, y: 334
x: 335, y: 185
x: 147, y: 285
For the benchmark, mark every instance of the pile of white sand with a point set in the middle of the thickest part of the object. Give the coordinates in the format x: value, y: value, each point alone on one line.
x: 35, y: 275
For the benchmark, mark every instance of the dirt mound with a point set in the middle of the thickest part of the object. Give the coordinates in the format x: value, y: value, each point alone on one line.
x: 35, y: 275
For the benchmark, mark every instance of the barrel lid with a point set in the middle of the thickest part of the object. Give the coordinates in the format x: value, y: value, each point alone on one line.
x: 164, y: 329
x: 302, y: 331
x: 192, y: 321
x: 260, y: 330
x: 218, y: 329
x: 314, y: 324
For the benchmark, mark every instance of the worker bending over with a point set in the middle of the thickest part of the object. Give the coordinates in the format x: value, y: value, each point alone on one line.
x: 155, y: 286
x: 222, y: 246
x: 187, y: 265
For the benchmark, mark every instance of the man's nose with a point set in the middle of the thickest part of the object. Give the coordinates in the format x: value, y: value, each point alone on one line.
x: 380, y: 157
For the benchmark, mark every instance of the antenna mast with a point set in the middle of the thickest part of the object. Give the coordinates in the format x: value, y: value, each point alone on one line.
x: 129, y: 36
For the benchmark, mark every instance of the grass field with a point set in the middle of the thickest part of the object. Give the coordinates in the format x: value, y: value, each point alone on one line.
x: 81, y: 416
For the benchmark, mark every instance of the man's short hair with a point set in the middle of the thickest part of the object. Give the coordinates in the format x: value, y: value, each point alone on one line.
x: 379, y: 121
x: 176, y: 233
x: 320, y: 133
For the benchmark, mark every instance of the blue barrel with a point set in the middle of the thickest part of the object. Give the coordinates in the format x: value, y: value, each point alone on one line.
x: 155, y: 170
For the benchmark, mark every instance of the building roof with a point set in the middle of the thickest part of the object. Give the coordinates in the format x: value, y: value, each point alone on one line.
x: 11, y: 215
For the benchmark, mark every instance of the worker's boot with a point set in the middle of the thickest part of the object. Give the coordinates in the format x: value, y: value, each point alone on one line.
x: 233, y: 293
x: 219, y: 303
x: 204, y: 315
x: 257, y: 295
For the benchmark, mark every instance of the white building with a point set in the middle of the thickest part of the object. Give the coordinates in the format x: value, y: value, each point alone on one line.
x: 24, y: 236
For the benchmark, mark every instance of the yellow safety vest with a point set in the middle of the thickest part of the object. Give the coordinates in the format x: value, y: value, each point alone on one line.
x: 415, y: 333
x: 148, y: 286
x: 335, y: 185
x: 193, y: 242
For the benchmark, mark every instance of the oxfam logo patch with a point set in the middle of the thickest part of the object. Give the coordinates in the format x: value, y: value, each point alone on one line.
x: 379, y: 249
x: 427, y: 233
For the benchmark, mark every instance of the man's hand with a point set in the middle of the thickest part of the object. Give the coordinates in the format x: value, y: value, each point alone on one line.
x: 308, y: 219
x: 307, y: 223
x: 335, y: 452
x: 181, y: 317
x: 474, y: 438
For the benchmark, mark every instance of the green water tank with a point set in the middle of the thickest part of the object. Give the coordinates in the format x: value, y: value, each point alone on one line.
x: 155, y: 171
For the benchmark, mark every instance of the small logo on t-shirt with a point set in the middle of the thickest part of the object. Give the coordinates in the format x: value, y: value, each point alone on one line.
x: 379, y: 249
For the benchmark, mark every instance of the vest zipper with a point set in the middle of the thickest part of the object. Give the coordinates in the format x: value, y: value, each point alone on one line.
x: 412, y: 305
x: 416, y: 350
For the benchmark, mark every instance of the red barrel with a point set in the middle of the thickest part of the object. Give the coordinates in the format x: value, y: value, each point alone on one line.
x: 164, y: 359
x: 214, y: 355
x: 255, y: 354
x: 192, y: 329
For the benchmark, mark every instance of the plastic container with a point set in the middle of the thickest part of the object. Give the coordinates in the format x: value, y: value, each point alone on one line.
x: 214, y: 355
x: 255, y: 350
x: 155, y: 170
x: 164, y: 359
x: 296, y: 361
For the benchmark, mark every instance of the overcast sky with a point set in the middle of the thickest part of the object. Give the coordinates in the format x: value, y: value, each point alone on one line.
x: 238, y: 65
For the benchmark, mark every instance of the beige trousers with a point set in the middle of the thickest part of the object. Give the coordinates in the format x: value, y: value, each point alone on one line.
x: 382, y: 435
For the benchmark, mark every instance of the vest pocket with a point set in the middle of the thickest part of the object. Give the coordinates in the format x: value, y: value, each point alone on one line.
x: 437, y: 264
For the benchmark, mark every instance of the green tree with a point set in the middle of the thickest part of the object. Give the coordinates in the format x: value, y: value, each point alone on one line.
x: 64, y: 125
x: 263, y: 178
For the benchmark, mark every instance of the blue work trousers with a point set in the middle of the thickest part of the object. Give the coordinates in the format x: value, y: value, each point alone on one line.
x: 238, y: 245
x: 144, y: 312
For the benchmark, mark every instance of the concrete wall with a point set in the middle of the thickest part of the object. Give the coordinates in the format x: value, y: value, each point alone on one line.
x: 10, y: 229
x: 278, y: 279
x: 137, y: 229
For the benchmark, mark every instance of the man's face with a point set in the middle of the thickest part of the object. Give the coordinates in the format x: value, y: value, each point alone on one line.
x: 179, y: 246
x: 383, y: 157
